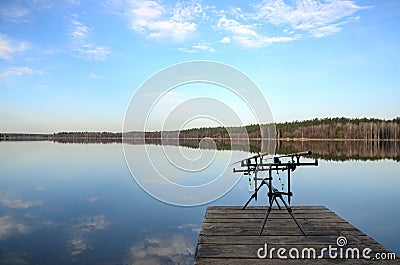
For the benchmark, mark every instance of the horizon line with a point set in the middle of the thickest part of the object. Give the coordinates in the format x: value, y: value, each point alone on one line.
x: 292, y: 121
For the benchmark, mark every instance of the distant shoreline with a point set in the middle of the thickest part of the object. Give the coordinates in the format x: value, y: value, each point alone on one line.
x: 327, y: 129
x: 328, y: 149
x: 50, y: 137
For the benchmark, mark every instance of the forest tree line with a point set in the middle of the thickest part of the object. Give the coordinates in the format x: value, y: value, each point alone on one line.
x: 341, y: 128
x: 327, y: 128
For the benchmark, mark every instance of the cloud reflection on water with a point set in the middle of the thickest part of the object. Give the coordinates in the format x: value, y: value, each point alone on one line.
x: 19, y: 204
x: 79, y: 243
x: 163, y: 249
x: 193, y: 227
x: 93, y: 212
x: 9, y: 226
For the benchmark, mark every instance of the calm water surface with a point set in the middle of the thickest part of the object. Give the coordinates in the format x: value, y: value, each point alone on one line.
x: 77, y: 203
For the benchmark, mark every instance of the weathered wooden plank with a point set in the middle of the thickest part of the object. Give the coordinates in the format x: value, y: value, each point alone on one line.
x: 281, y: 239
x: 275, y: 211
x: 311, y: 207
x: 273, y: 231
x: 271, y: 236
x: 258, y: 212
x: 277, y: 223
x: 261, y: 215
x: 259, y: 220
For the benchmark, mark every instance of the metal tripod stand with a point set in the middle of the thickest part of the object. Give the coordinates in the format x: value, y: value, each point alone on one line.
x: 273, y: 193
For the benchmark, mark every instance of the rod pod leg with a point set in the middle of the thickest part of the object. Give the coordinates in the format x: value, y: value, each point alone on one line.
x: 254, y: 195
x: 279, y: 207
x: 289, y: 209
x: 266, y: 216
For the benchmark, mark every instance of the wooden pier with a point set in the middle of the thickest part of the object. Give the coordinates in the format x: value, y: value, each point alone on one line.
x: 230, y: 235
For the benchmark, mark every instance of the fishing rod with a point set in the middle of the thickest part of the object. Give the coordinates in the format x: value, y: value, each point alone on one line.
x: 256, y: 164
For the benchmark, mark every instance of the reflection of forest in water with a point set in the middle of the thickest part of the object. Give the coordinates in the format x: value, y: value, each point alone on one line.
x: 338, y: 150
x: 328, y: 150
x: 344, y: 150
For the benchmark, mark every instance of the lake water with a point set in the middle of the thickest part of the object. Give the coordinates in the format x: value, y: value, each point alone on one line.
x: 62, y: 203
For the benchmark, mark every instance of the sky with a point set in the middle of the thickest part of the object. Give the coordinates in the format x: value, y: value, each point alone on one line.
x: 74, y: 65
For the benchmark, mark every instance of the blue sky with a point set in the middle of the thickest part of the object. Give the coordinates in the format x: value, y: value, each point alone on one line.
x: 74, y: 65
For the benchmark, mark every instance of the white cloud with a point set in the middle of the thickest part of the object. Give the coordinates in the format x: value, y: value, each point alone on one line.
x: 22, y: 11
x: 74, y: 2
x: 9, y: 46
x: 308, y: 15
x: 204, y: 46
x: 93, y: 76
x: 81, y: 45
x: 17, y: 71
x: 161, y: 22
x: 187, y: 50
x: 9, y: 226
x: 303, y: 19
x: 79, y: 31
x: 235, y: 27
x: 325, y: 31
x: 201, y: 46
x: 225, y: 40
x: 88, y: 51
x: 14, y: 13
x: 266, y: 23
x: 246, y: 35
